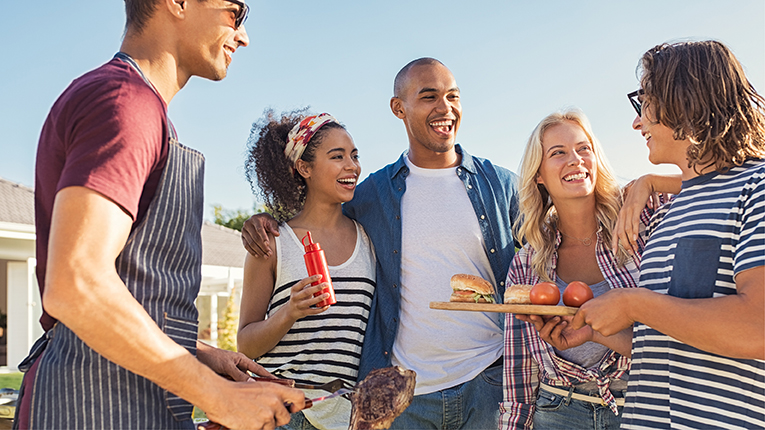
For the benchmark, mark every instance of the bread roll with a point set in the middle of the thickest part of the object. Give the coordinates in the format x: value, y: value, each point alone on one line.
x: 518, y: 294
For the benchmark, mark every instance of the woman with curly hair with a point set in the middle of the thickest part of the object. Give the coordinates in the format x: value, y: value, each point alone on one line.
x: 306, y: 167
x: 569, y: 202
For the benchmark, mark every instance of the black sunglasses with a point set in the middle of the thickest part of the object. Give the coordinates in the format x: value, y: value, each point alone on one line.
x: 635, y: 100
x: 241, y: 16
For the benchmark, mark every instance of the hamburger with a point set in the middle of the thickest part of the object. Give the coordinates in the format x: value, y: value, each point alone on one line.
x: 471, y: 289
x: 518, y: 294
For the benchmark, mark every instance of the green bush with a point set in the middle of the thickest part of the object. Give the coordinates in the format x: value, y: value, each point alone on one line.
x: 227, y: 327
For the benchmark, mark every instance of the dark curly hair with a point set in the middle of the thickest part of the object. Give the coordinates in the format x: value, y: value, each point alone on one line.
x: 700, y: 91
x: 282, y: 189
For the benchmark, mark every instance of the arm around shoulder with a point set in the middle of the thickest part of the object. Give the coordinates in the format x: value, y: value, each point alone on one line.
x: 256, y: 232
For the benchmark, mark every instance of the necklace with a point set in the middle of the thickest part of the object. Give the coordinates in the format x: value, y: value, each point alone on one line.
x: 586, y: 241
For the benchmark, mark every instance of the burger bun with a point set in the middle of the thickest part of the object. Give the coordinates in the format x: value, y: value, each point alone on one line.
x: 518, y: 294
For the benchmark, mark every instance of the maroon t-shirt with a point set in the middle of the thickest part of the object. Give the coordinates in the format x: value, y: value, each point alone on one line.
x: 106, y: 132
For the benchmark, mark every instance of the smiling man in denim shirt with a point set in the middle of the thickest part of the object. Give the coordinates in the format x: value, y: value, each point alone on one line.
x: 435, y: 212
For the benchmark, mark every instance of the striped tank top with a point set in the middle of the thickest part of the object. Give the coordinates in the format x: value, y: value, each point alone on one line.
x: 319, y: 348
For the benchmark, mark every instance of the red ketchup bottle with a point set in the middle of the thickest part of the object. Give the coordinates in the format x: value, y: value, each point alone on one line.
x: 316, y: 263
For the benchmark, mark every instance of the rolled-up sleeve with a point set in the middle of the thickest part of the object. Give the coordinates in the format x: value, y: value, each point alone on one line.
x: 521, y: 372
x: 520, y: 379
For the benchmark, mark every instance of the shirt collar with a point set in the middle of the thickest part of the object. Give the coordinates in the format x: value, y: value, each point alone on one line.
x: 467, y: 162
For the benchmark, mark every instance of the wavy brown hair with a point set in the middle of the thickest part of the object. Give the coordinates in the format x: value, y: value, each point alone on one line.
x: 700, y: 91
x: 269, y: 171
x: 538, y: 223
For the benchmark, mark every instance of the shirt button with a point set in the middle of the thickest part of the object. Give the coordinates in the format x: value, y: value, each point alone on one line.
x: 385, y: 352
x: 395, y: 251
x: 395, y: 285
x: 491, y: 250
x: 483, y: 217
x: 459, y: 170
x: 398, y: 217
x: 399, y: 189
x: 470, y: 187
x: 502, y: 283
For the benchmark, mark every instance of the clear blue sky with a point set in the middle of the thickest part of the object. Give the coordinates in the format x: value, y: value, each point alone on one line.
x: 514, y: 61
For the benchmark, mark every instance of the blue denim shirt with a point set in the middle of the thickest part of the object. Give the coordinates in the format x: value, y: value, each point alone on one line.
x: 377, y: 206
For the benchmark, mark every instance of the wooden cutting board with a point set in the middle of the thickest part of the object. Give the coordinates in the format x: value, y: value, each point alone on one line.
x: 505, y: 309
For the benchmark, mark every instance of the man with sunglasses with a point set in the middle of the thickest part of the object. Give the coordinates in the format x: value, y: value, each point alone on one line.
x: 698, y: 344
x: 119, y: 205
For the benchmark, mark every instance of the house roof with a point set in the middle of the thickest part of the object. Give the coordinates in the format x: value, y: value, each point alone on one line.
x: 17, y: 203
x: 221, y: 246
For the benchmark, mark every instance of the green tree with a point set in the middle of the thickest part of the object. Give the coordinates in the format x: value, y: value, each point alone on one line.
x: 231, y: 218
x: 235, y: 218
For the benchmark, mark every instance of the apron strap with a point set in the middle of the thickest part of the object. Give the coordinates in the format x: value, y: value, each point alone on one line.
x: 128, y: 59
x: 37, y: 350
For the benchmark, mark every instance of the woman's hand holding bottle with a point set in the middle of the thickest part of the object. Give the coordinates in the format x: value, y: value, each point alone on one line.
x: 302, y: 300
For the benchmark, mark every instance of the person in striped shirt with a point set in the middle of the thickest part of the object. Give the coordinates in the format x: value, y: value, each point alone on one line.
x: 306, y: 167
x: 698, y: 343
x: 569, y: 201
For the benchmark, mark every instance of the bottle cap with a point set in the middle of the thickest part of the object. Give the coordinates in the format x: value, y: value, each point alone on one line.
x: 311, y: 246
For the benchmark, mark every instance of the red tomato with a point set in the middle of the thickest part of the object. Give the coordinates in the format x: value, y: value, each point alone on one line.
x: 576, y: 293
x: 544, y: 293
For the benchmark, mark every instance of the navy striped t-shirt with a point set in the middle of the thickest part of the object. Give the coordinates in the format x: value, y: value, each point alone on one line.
x: 713, y: 230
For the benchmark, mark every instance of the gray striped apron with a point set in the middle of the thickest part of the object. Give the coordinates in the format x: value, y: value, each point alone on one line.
x: 74, y: 386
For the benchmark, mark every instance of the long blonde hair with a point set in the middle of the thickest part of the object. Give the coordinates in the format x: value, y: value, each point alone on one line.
x: 537, y: 224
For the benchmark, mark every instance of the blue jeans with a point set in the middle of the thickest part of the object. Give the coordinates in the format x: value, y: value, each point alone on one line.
x: 470, y: 405
x: 559, y: 412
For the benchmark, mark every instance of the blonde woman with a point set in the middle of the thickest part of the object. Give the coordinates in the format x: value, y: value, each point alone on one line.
x: 569, y: 203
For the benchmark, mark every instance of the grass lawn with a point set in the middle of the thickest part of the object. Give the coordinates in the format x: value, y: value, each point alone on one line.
x: 199, y: 415
x: 11, y: 380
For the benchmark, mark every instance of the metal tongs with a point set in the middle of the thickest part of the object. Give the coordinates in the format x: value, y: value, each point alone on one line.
x: 340, y: 392
x: 329, y: 387
x: 337, y: 387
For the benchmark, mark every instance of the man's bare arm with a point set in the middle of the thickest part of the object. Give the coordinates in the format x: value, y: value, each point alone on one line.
x: 84, y: 292
x: 731, y: 326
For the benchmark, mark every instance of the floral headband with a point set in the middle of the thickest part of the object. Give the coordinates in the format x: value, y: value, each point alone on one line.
x: 301, y: 134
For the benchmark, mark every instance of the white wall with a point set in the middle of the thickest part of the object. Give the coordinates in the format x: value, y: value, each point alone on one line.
x: 24, y: 310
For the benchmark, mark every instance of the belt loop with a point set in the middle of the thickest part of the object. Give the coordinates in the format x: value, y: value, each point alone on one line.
x: 570, y: 393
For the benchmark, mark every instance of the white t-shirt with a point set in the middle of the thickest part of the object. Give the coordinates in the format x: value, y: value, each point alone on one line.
x: 441, y: 237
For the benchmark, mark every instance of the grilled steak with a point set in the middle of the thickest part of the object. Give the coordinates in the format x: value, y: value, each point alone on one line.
x: 381, y: 397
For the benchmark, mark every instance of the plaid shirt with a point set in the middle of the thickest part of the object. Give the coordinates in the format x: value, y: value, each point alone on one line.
x: 525, y: 350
